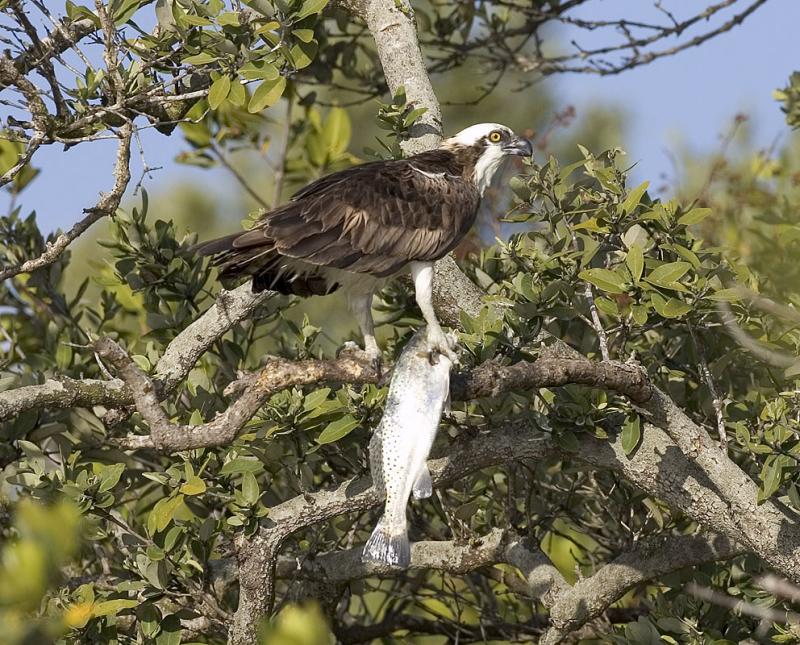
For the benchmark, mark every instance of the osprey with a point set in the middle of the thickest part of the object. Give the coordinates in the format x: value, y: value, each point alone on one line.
x: 355, y: 228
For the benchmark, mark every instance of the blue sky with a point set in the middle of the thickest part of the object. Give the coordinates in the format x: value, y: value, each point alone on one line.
x: 689, y: 98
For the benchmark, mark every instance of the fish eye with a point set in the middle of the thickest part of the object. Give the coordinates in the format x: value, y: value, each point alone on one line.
x: 495, y: 136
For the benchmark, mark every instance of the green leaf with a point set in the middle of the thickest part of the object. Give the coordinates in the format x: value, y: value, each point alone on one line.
x: 163, y: 512
x: 687, y: 254
x: 109, y: 477
x: 306, y: 35
x: 726, y: 295
x: 672, y: 308
x: 229, y: 19
x: 667, y: 275
x: 337, y: 131
x: 219, y: 92
x: 237, y: 95
x: 608, y: 307
x: 113, y: 607
x: 772, y: 475
x: 64, y: 356
x: 241, y: 465
x: 639, y: 313
x: 124, y: 11
x: 142, y: 362
x: 520, y: 187
x: 591, y: 224
x: 170, y: 631
x: 310, y: 7
x: 250, y: 489
x: 203, y: 58
x: 303, y: 53
x: 196, y: 21
x: 694, y: 216
x: 608, y: 281
x: 266, y: 94
x: 338, y: 429
x: 634, y: 197
x: 194, y: 486
x: 316, y: 398
x: 412, y: 116
x: 263, y: 70
x: 635, y: 262
x: 631, y: 434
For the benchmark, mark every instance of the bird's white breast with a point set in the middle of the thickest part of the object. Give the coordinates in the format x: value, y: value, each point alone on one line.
x: 487, y: 165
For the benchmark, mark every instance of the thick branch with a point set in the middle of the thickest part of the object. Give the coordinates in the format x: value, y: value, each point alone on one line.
x: 230, y: 308
x: 394, y: 29
x: 63, y: 393
x: 489, y: 379
x: 765, y: 528
x: 9, y: 75
x: 657, y: 467
x: 648, y: 560
x: 276, y: 375
x: 570, y: 606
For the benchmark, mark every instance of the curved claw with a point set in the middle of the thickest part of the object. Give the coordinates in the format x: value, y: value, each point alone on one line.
x: 440, y: 343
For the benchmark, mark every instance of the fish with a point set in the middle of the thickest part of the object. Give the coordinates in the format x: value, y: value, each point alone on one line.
x: 419, y: 393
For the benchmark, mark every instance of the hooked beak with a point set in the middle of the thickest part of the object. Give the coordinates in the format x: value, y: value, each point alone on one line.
x: 519, y: 146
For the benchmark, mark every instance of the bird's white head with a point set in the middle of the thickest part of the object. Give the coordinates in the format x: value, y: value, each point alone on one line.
x: 491, y: 142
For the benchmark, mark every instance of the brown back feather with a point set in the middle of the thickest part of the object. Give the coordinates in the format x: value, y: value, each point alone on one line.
x: 373, y: 218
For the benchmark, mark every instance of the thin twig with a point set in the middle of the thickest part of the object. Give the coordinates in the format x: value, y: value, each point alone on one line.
x: 596, y: 323
x: 238, y: 176
x: 715, y: 398
x: 742, y: 606
x: 107, y: 205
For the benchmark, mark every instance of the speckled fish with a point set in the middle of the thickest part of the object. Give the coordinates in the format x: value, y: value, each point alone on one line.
x: 418, y: 394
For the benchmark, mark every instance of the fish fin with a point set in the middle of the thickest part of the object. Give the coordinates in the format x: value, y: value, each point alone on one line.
x: 388, y: 545
x: 423, y: 486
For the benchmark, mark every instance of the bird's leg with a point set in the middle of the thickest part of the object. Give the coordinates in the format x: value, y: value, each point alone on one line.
x: 360, y: 304
x: 422, y: 273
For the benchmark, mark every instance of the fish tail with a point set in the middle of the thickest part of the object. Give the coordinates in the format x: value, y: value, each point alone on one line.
x: 389, y: 545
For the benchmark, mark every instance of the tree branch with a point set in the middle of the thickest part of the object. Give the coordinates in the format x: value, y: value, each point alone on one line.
x: 230, y: 308
x: 648, y: 560
x: 106, y: 206
x: 488, y: 379
x: 392, y: 25
x: 66, y: 35
x: 276, y: 375
x: 765, y: 528
x: 676, y: 480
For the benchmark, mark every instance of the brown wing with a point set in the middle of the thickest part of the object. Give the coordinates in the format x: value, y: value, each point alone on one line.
x: 373, y: 218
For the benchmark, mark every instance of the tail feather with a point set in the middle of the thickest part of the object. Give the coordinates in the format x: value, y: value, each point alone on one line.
x: 218, y: 245
x: 264, y: 264
x: 388, y: 545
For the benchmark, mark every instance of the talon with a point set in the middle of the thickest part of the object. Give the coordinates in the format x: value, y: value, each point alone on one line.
x: 440, y: 343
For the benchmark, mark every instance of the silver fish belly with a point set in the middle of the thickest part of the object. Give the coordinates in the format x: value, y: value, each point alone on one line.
x: 401, y: 443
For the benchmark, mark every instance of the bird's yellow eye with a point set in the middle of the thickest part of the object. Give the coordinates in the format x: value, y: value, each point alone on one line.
x: 495, y: 136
